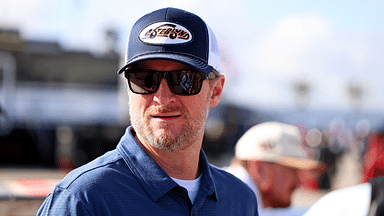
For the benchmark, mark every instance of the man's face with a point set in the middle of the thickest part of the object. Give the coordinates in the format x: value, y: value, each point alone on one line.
x: 165, y: 120
x: 285, y: 180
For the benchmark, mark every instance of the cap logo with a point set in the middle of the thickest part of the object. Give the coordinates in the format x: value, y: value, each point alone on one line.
x: 165, y: 33
x: 267, y: 147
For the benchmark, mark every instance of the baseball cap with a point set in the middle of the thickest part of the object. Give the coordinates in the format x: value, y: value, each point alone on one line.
x: 173, y: 34
x: 274, y: 142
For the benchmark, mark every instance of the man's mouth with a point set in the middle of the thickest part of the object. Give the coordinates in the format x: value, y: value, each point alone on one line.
x: 165, y: 112
x: 165, y: 116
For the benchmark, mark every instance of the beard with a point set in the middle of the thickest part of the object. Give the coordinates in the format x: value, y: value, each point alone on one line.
x: 167, y: 140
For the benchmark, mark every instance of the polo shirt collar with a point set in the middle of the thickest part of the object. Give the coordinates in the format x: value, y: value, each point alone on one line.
x: 155, y: 181
x: 207, y: 185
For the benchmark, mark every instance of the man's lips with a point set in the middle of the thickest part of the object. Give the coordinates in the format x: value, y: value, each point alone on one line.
x: 165, y: 116
x: 165, y: 112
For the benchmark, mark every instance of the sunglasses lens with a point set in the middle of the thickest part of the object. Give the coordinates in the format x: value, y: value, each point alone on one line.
x: 181, y: 82
x: 185, y: 82
x: 143, y: 82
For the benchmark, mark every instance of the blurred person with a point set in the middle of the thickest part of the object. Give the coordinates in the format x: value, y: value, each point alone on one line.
x: 363, y: 199
x: 269, y: 157
x: 328, y: 157
x: 373, y: 159
x: 159, y: 167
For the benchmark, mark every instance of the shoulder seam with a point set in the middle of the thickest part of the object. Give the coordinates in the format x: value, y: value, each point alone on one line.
x: 88, y: 170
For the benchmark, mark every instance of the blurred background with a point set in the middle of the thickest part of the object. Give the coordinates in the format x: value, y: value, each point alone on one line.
x: 315, y: 64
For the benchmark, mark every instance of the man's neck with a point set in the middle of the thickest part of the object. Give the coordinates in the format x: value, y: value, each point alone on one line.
x: 181, y: 164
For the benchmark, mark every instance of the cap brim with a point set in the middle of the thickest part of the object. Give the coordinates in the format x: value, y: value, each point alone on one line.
x: 190, y: 61
x: 298, y: 163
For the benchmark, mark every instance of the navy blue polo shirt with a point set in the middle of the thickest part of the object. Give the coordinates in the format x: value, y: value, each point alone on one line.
x: 127, y: 181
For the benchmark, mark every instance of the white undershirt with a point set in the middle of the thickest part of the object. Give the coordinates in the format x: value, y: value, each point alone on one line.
x: 192, y: 186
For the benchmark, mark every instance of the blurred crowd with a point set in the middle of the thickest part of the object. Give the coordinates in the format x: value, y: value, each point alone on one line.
x: 276, y: 159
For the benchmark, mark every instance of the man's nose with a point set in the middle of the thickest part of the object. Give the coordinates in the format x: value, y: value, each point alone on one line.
x: 164, y: 94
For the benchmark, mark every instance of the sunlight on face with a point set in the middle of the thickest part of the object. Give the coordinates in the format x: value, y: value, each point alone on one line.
x: 166, y: 139
x: 165, y: 120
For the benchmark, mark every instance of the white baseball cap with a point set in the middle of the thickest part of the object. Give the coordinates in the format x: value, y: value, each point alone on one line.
x: 274, y: 142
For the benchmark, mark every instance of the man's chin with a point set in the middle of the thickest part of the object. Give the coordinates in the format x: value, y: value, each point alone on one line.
x: 165, y: 133
x: 281, y: 204
x: 285, y: 205
x: 162, y: 139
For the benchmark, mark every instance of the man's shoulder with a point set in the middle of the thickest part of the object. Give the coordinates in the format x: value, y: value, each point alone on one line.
x: 231, y: 191
x: 94, y: 187
x: 224, y: 175
x: 223, y: 178
x: 101, y: 171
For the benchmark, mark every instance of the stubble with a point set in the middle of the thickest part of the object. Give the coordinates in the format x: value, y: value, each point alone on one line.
x: 188, y: 134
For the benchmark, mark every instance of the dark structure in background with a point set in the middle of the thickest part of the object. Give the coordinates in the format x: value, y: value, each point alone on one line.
x: 39, y: 87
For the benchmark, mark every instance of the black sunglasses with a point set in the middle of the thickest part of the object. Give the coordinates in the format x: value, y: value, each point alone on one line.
x: 180, y: 82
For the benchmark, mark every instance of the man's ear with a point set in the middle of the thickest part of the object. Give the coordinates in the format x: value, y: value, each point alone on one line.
x: 217, y: 91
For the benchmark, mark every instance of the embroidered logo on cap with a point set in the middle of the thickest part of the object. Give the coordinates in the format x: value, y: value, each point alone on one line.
x: 165, y: 33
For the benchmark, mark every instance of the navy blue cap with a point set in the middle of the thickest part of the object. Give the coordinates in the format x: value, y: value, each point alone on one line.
x: 173, y: 34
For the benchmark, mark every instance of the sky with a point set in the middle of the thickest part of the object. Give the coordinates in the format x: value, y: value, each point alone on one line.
x: 267, y: 46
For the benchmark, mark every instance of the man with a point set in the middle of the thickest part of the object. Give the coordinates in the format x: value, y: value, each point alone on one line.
x: 158, y: 167
x: 268, y: 157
